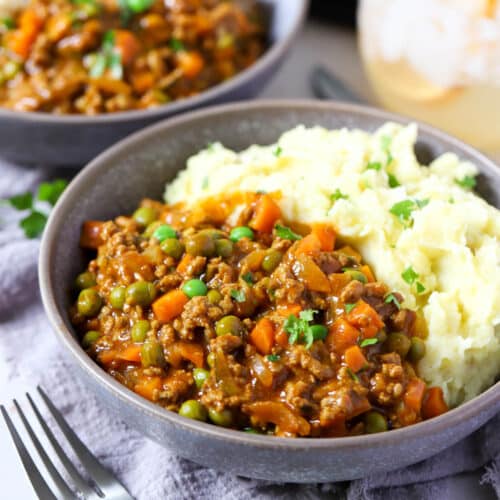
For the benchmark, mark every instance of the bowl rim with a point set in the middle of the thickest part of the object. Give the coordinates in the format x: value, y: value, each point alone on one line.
x: 276, y: 51
x: 85, y: 178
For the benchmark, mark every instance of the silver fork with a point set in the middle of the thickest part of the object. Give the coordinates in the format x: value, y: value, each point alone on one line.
x: 103, y: 484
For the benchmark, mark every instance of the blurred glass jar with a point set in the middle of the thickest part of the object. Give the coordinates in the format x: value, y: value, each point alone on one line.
x: 437, y: 61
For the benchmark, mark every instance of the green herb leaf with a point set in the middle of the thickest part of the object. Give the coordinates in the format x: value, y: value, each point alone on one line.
x: 21, y: 201
x: 376, y: 165
x: 392, y: 298
x: 338, y: 195
x: 51, y: 191
x: 138, y: 6
x: 468, y: 182
x: 248, y: 277
x: 403, y: 210
x: 238, y: 295
x: 349, y: 307
x: 277, y: 152
x: 308, y: 314
x: 98, y: 66
x: 7, y: 23
x: 176, y: 45
x: 299, y: 329
x: 385, y: 144
x: 368, y: 342
x: 286, y: 233
x: 33, y: 224
x: 420, y: 287
x: 451, y: 200
x: 409, y: 275
x: 393, y: 182
x: 115, y: 65
x: 422, y: 203
x: 352, y: 375
x: 273, y: 357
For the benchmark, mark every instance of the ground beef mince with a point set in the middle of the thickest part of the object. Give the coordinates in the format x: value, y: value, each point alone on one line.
x: 91, y: 57
x: 230, y: 314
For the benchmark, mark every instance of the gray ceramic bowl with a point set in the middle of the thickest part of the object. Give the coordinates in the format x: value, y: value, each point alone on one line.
x: 140, y: 166
x: 72, y: 141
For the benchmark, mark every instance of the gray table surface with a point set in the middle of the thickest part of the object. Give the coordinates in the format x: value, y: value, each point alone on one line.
x: 335, y: 48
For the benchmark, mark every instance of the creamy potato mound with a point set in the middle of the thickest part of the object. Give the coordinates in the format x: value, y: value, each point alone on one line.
x: 421, y: 229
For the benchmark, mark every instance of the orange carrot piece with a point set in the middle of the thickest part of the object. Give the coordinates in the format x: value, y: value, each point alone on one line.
x: 308, y: 245
x: 91, y: 234
x: 326, y: 235
x: 267, y: 212
x: 414, y: 394
x: 191, y: 63
x: 288, y: 309
x: 169, y: 306
x: 21, y: 40
x: 143, y: 81
x: 262, y: 336
x: 354, y: 358
x: 281, y: 338
x: 184, y: 264
x: 131, y: 353
x: 365, y: 319
x: 127, y: 45
x: 434, y: 403
x: 347, y: 250
x: 311, y: 275
x: 366, y: 270
x: 342, y: 335
x: 191, y: 352
x: 147, y: 387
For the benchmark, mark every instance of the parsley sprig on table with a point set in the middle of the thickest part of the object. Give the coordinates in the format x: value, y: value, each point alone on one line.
x: 34, y: 222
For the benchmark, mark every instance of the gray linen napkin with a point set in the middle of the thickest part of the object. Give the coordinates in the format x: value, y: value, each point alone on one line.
x: 30, y: 355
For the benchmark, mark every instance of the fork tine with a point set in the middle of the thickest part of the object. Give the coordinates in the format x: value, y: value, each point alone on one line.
x: 56, y: 477
x: 40, y: 486
x: 73, y: 473
x: 108, y: 484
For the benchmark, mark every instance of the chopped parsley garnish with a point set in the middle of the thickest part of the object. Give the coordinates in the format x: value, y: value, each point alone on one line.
x: 277, y: 152
x: 392, y: 298
x: 130, y: 7
x: 385, y: 144
x: 34, y: 222
x: 392, y: 180
x: 248, y: 277
x: 176, y: 45
x: 374, y: 165
x: 403, y: 210
x: 352, y: 375
x: 299, y: 329
x: 107, y: 59
x: 410, y: 276
x: 451, y: 200
x: 286, y: 233
x: 238, y: 295
x: 204, y: 183
x: 468, y: 182
x: 210, y: 146
x: 273, y: 357
x: 7, y: 23
x: 368, y: 342
x: 338, y: 195
x: 349, y: 307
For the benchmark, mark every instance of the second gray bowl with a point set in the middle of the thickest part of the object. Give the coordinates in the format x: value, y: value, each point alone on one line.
x: 139, y: 167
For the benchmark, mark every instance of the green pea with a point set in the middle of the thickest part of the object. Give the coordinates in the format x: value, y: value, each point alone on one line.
x: 215, y: 234
x: 152, y: 354
x: 140, y: 330
x: 172, y: 247
x: 164, y: 232
x: 194, y: 288
x: 193, y: 409
x: 200, y: 244
x: 240, y: 232
x: 200, y: 376
x: 214, y: 297
x: 229, y: 325
x: 399, y: 343
x: 417, y: 349
x: 271, y: 260
x: 117, y: 297
x: 211, y: 359
x: 355, y: 274
x: 319, y: 332
x: 89, y: 302
x: 89, y: 338
x: 223, y: 418
x: 375, y: 422
x: 140, y: 293
x: 145, y: 216
x: 148, y: 232
x: 224, y: 248
x: 85, y: 280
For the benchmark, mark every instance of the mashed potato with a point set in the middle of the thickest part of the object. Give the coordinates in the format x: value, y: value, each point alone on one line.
x: 447, y: 236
